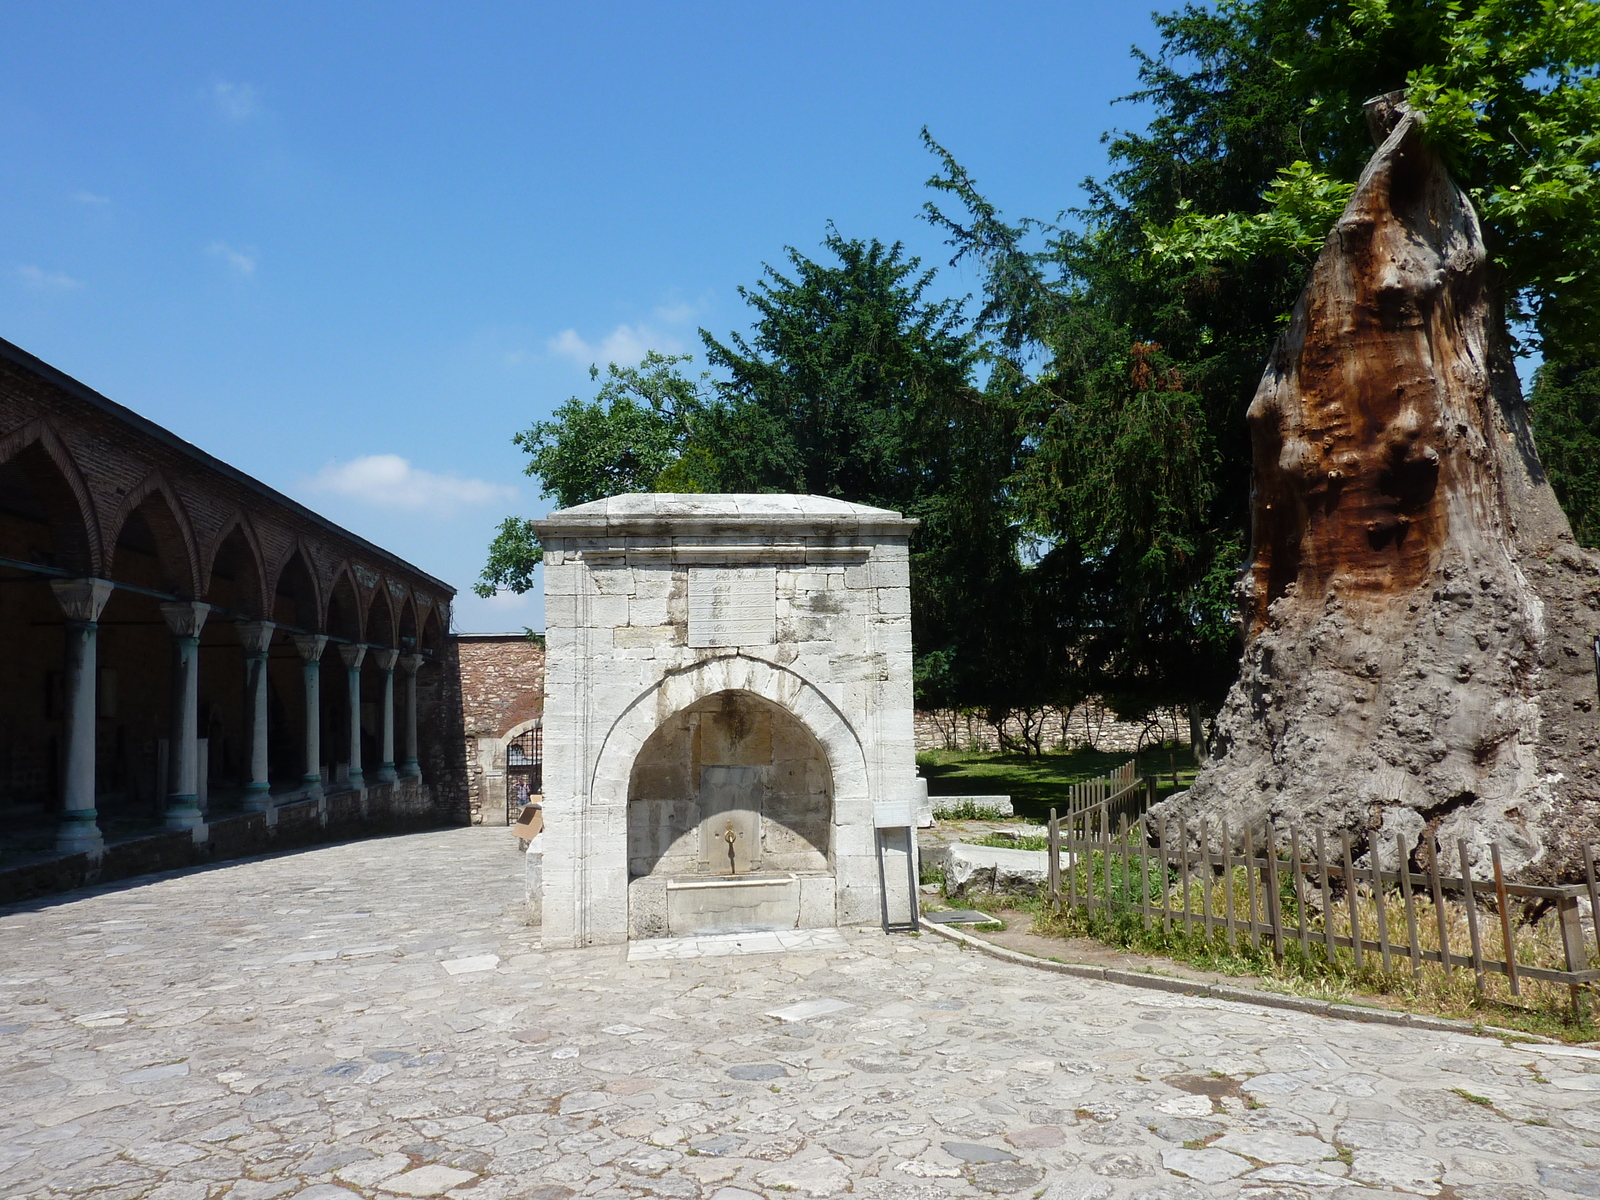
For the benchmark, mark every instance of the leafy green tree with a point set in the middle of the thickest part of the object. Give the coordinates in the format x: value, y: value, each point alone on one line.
x: 1510, y: 91
x: 633, y: 434
x: 1131, y: 340
x: 1566, y: 412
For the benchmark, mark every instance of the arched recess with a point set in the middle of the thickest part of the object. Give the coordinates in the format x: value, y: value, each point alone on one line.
x: 406, y: 626
x: 44, y: 519
x: 613, y: 767
x: 432, y: 638
x: 521, y: 753
x: 380, y: 623
x: 152, y: 542
x: 738, y: 758
x: 295, y: 599
x: 586, y: 882
x: 235, y: 573
x: 344, y: 607
x: 46, y: 512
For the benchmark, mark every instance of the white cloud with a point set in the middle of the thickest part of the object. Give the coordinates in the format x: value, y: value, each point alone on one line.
x: 235, y: 101
x: 83, y: 197
x: 39, y: 280
x: 625, y: 345
x: 242, y: 261
x: 389, y: 481
x: 678, y: 314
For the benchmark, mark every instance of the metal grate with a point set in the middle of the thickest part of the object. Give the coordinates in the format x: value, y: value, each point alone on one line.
x: 525, y: 766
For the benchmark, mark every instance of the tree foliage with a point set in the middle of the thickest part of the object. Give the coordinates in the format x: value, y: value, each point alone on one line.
x: 1075, y: 443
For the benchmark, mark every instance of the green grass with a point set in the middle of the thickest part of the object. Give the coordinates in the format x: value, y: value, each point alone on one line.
x: 1035, y: 785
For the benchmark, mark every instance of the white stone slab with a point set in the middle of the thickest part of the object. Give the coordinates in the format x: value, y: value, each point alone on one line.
x: 732, y: 606
x: 478, y: 962
x: 806, y: 1009
x: 724, y: 944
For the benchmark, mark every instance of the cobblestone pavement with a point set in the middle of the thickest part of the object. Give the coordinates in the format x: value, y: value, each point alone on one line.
x: 371, y: 1020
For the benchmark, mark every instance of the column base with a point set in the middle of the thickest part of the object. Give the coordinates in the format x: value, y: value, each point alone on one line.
x: 79, y: 835
x: 313, y: 786
x: 257, y: 797
x: 183, y: 812
x: 410, y: 769
x: 387, y: 773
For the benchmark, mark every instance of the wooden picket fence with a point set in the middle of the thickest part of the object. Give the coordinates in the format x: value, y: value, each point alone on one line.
x: 1113, y: 797
x: 1236, y: 887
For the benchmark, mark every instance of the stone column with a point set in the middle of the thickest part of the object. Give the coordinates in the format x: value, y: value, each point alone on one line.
x: 310, y: 646
x: 409, y: 767
x: 256, y: 636
x: 81, y: 600
x: 184, y: 619
x: 352, y: 655
x: 386, y: 660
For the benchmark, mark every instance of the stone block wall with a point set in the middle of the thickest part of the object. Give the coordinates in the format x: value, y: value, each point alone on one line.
x: 655, y: 603
x: 1089, y: 724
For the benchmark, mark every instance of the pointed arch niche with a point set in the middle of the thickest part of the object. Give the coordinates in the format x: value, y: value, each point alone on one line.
x: 42, y: 520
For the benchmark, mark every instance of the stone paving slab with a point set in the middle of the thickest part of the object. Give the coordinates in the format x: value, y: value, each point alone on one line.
x: 371, y: 1020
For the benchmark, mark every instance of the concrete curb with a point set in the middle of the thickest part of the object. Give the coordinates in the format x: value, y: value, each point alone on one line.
x: 1223, y: 991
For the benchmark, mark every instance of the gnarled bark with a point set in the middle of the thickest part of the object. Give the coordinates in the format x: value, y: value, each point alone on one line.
x: 1418, y: 619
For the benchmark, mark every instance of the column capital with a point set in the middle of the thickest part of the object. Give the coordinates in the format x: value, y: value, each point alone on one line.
x: 352, y: 653
x: 310, y: 645
x: 82, y: 599
x: 185, y: 617
x: 410, y: 662
x: 255, y: 636
x: 385, y: 658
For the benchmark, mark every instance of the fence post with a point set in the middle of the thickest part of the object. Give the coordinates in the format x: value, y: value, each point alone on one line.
x: 1349, y: 876
x: 1594, y: 892
x: 1472, y: 913
x: 1250, y: 886
x: 1144, y: 871
x: 1183, y: 875
x: 1508, y: 940
x: 1054, y: 870
x: 1300, y: 894
x: 1166, y: 905
x: 1413, y: 942
x: 1572, y: 943
x: 1438, y: 906
x: 1375, y: 848
x: 1330, y: 946
x: 1274, y: 897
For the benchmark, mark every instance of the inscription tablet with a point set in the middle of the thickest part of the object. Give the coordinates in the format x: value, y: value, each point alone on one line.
x: 733, y: 606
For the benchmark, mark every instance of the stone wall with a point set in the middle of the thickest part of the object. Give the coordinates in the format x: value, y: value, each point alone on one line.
x: 657, y: 602
x: 502, y: 690
x: 1089, y: 724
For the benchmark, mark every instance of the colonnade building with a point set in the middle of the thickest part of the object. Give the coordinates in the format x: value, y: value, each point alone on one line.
x: 192, y: 664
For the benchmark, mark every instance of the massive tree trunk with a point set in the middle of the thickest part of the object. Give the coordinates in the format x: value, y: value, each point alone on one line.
x: 1418, y: 619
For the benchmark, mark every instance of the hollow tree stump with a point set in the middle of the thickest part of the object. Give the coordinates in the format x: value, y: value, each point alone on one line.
x: 1418, y: 619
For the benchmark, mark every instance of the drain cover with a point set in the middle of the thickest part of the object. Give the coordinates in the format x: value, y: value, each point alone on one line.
x: 958, y: 916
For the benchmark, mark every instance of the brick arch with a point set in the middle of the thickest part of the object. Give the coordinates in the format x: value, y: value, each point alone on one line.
x: 430, y: 636
x: 343, y: 592
x: 406, y: 622
x: 312, y: 619
x: 80, y: 538
x: 259, y: 600
x: 380, y: 622
x: 173, y: 532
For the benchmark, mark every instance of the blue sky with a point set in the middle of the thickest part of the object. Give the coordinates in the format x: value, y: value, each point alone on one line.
x: 352, y: 248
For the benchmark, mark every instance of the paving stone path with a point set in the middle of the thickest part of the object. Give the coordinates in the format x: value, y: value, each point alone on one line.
x: 371, y: 1020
